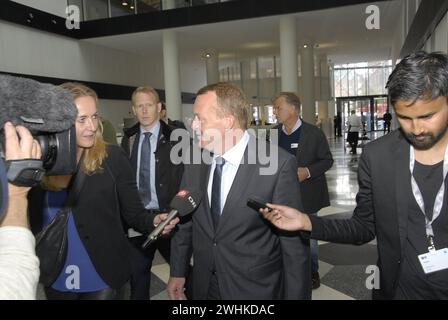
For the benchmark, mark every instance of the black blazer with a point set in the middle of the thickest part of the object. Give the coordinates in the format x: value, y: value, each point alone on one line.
x: 168, y: 174
x: 252, y: 259
x: 382, y: 208
x: 105, y: 198
x: 313, y: 153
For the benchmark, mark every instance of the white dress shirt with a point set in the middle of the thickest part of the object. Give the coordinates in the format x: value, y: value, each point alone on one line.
x: 19, y: 265
x: 233, y: 158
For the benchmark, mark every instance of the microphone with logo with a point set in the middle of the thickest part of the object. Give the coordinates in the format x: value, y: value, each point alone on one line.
x: 182, y: 204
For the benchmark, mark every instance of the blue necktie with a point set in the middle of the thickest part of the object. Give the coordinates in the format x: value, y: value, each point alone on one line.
x: 145, y: 170
x: 215, y: 207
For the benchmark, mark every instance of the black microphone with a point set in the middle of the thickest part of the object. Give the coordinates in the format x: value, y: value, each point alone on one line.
x: 41, y: 107
x: 182, y: 204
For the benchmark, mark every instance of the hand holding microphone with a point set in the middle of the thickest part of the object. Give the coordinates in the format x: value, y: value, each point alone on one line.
x: 182, y: 204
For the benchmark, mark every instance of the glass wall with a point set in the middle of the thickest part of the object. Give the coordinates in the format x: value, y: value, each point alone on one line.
x: 361, y: 79
x: 100, y: 9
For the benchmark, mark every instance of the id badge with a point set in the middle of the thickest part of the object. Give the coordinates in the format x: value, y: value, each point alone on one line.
x: 434, y: 260
x: 294, y: 145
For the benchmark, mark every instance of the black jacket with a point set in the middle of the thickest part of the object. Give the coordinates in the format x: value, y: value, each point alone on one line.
x: 313, y: 153
x: 251, y: 259
x: 105, y: 198
x: 168, y: 175
x: 381, y: 208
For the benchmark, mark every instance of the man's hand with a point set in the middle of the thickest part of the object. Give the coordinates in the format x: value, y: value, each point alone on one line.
x: 176, y: 288
x: 303, y: 173
x: 170, y: 226
x: 286, y: 218
x: 26, y: 148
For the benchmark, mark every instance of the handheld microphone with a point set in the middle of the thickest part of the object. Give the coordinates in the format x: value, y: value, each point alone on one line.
x: 182, y: 204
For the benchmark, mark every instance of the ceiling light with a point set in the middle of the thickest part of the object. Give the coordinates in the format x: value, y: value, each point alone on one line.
x: 305, y: 46
x: 207, y: 55
x: 124, y: 3
x: 132, y: 7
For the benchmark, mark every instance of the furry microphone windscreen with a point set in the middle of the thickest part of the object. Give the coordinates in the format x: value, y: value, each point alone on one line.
x: 40, y: 107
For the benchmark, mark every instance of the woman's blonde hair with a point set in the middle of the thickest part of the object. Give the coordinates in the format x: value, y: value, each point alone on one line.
x: 94, y: 156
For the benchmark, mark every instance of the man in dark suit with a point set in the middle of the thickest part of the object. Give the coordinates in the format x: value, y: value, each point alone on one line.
x: 236, y: 254
x: 402, y: 198
x: 158, y: 179
x: 310, y: 147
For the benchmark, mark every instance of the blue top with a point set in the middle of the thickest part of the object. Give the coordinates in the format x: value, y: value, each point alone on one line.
x: 78, y: 273
x: 289, y: 142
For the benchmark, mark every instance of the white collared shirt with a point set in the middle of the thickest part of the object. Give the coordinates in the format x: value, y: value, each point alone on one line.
x: 233, y: 158
x: 296, y: 126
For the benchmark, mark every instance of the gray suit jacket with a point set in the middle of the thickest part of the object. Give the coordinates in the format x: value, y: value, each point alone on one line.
x: 314, y: 153
x: 252, y: 259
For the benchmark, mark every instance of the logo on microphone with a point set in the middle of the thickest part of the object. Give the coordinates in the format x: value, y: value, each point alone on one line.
x: 191, y: 200
x: 183, y: 193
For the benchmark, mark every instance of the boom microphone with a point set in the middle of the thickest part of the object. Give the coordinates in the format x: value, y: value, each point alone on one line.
x: 182, y: 204
x: 49, y: 112
x: 41, y: 107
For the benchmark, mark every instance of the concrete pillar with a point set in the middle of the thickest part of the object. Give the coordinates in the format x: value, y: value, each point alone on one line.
x: 288, y: 54
x: 308, y: 99
x: 212, y: 66
x: 173, y: 95
x: 168, y: 4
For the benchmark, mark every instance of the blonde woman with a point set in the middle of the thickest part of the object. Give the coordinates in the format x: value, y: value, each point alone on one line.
x: 97, y: 264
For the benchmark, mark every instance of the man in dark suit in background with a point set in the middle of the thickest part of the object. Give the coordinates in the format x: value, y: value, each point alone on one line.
x: 310, y: 147
x: 402, y: 198
x: 236, y: 254
x: 148, y: 145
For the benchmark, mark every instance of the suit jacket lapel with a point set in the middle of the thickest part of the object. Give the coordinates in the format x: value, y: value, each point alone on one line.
x: 134, y: 141
x: 239, y: 186
x: 204, y: 178
x: 303, y: 137
x: 402, y: 186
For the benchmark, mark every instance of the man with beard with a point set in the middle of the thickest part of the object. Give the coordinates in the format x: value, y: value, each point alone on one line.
x: 402, y: 182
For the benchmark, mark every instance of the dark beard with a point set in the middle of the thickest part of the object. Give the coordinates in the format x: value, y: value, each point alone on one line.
x: 427, y: 143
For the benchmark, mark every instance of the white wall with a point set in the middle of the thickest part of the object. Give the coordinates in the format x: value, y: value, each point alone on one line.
x: 441, y: 35
x: 56, y: 7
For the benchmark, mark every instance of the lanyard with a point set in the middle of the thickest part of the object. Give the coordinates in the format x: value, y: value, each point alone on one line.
x: 419, y: 198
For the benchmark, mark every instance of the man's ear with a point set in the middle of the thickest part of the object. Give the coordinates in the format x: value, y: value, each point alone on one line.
x: 230, y: 122
x: 159, y: 107
x: 133, y: 111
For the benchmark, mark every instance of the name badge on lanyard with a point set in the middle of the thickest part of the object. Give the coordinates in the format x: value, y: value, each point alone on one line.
x: 434, y: 260
x: 294, y: 145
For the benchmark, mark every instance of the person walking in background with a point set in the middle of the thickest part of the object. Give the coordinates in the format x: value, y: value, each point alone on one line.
x: 310, y: 147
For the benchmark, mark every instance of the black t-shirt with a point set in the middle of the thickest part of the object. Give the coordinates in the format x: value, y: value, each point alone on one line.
x: 413, y: 282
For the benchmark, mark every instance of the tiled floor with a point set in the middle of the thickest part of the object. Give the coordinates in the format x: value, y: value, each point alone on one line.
x: 342, y: 267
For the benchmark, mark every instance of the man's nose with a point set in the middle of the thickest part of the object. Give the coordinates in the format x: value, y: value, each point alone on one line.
x: 417, y: 127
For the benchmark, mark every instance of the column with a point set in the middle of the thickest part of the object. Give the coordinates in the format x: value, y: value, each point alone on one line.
x: 308, y: 99
x: 212, y: 66
x: 288, y: 54
x: 171, y: 75
x: 325, y: 94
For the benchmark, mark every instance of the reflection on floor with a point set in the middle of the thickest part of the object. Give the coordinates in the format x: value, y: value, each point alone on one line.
x: 342, y: 267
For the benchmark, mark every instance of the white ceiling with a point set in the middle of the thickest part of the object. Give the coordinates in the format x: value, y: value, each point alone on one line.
x: 340, y: 33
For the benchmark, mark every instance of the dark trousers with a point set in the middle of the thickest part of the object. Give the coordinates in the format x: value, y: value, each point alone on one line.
x: 142, y: 262
x: 105, y: 294
x: 352, y: 138
x: 213, y: 289
x: 386, y: 127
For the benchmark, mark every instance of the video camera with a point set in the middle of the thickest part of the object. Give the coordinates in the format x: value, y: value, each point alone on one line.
x: 49, y: 113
